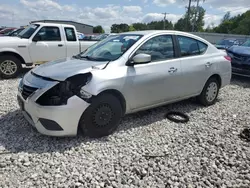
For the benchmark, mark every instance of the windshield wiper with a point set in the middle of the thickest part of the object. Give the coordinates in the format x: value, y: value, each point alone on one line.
x: 88, y: 57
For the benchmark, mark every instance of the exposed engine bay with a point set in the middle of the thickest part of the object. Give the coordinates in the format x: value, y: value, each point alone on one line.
x: 61, y: 92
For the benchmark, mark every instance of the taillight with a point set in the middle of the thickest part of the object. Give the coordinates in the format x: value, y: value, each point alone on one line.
x: 228, y: 58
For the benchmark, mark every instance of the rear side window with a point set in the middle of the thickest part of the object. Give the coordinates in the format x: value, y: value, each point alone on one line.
x: 190, y: 47
x: 70, y: 34
x: 202, y: 47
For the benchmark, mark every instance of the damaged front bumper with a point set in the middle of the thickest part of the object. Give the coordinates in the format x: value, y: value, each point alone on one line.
x: 60, y: 120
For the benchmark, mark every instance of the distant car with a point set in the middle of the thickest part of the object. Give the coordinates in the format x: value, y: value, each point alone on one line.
x: 80, y: 36
x: 123, y: 74
x: 240, y: 56
x: 38, y: 43
x: 228, y: 42
x: 15, y: 32
x: 90, y: 37
x: 105, y: 35
x: 6, y: 30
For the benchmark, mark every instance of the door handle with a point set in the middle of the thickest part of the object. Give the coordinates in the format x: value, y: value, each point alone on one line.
x: 172, y: 70
x: 60, y: 45
x: 208, y: 64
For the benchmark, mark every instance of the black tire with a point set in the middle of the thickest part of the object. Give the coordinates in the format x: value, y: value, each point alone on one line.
x: 245, y: 134
x: 203, y: 97
x: 183, y: 117
x: 14, y: 61
x: 95, y: 125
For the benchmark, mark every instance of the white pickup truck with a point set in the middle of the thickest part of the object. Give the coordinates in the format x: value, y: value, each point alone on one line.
x: 37, y: 44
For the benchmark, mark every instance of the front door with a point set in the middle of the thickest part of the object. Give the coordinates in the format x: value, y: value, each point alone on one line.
x: 49, y: 45
x: 159, y: 80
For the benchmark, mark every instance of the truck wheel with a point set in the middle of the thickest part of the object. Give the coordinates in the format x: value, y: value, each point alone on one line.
x: 10, y: 66
x: 102, y: 117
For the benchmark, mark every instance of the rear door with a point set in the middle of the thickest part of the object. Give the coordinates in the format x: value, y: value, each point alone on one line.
x: 196, y: 65
x: 71, y: 41
x: 49, y: 45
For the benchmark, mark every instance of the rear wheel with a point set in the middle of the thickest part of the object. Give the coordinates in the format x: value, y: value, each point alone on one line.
x: 10, y: 66
x: 210, y: 92
x: 102, y: 117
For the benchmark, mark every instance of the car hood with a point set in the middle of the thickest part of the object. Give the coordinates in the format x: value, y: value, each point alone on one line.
x: 62, y: 69
x: 243, y: 50
x: 6, y: 41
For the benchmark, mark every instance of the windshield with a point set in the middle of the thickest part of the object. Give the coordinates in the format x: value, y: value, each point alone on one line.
x: 247, y: 43
x: 226, y: 42
x: 27, y: 32
x: 110, y: 48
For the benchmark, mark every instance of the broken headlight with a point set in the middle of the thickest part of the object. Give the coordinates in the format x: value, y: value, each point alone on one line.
x: 84, y: 94
x: 60, y: 93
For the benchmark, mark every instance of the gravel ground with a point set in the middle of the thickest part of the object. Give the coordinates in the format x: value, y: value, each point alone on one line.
x: 205, y: 152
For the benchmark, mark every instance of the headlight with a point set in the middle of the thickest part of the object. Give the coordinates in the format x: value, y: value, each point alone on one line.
x: 85, y: 94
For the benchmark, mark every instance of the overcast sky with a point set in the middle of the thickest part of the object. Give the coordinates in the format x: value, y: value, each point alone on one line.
x: 107, y: 12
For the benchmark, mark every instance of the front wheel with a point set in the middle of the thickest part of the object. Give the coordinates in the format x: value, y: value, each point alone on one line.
x: 210, y: 92
x: 102, y: 117
x: 10, y: 66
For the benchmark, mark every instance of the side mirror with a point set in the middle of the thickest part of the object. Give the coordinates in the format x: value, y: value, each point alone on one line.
x: 141, y: 59
x: 37, y: 38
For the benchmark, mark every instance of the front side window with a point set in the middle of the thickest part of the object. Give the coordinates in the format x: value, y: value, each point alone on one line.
x: 111, y: 48
x: 160, y: 48
x: 70, y: 34
x: 49, y: 34
x: 190, y: 47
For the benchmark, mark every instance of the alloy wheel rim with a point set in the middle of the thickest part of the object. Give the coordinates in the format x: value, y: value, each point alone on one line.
x: 211, y: 92
x: 8, y: 67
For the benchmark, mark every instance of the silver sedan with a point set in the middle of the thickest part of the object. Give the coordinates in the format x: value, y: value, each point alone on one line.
x: 121, y: 74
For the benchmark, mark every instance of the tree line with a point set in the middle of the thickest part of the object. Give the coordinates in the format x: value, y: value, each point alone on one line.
x: 192, y: 20
x: 239, y: 24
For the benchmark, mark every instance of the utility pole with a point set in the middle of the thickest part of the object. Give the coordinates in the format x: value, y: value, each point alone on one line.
x: 164, y: 20
x: 12, y: 19
x: 188, y: 14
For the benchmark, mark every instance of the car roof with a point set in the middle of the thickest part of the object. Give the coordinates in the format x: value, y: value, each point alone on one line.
x: 52, y: 24
x: 146, y: 32
x: 170, y: 32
